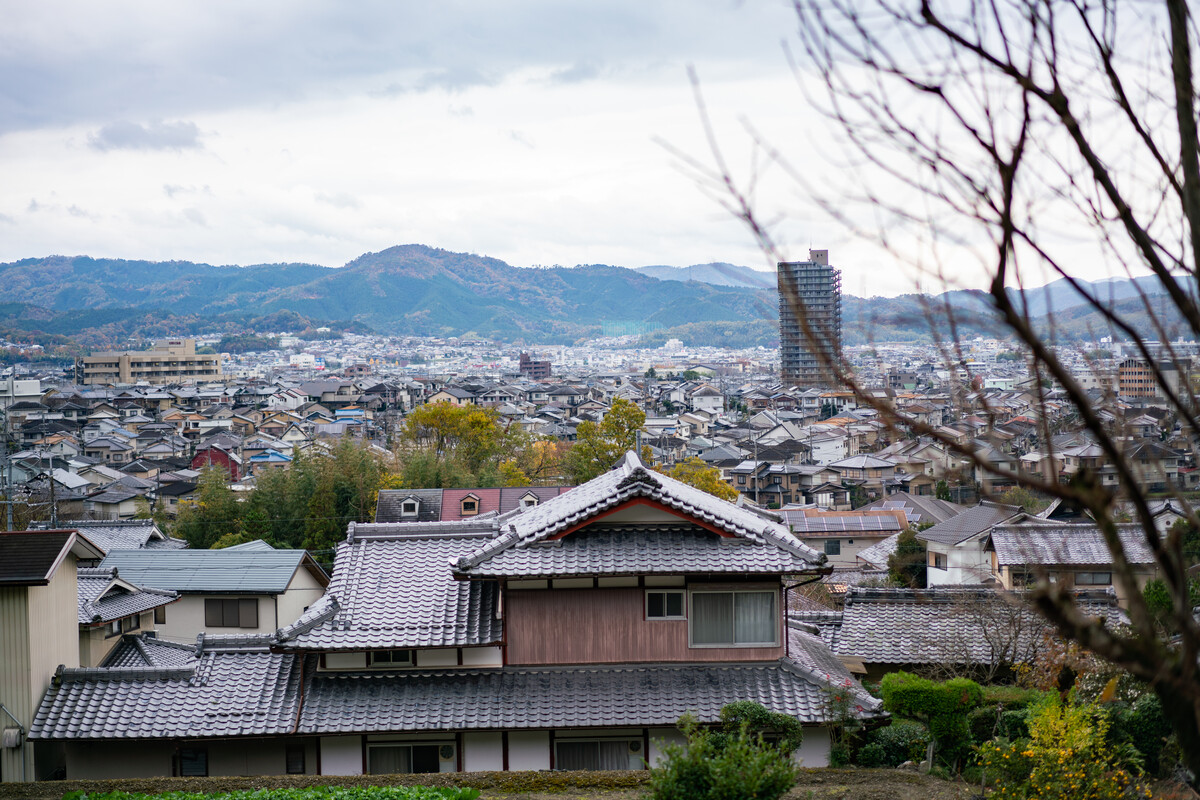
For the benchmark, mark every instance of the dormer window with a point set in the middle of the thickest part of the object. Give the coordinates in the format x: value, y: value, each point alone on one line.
x: 470, y: 506
x: 529, y: 501
x: 409, y: 507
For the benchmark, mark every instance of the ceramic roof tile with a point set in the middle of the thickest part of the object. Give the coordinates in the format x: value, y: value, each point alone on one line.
x: 961, y: 625
x: 148, y: 651
x: 513, y: 698
x: 630, y: 480
x: 1069, y: 544
x: 395, y: 590
x: 104, y: 598
x: 223, y: 694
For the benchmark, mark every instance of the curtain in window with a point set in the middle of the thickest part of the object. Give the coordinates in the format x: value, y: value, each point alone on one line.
x: 712, y: 618
x: 390, y: 760
x: 592, y: 755
x: 754, y: 617
x: 614, y: 755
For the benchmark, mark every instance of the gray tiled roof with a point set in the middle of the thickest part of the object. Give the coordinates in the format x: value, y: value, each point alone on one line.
x: 528, y: 536
x: 265, y: 572
x: 97, y: 606
x: 395, y: 589
x: 223, y: 694
x: 960, y: 625
x: 147, y: 651
x: 877, y: 554
x: 1079, y: 544
x: 646, y: 549
x: 970, y: 523
x: 553, y: 697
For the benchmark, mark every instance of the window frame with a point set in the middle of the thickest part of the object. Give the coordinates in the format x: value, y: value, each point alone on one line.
x: 934, y: 558
x: 665, y: 617
x: 832, y: 547
x: 775, y: 609
x: 597, y: 740
x: 1091, y: 579
x: 439, y: 744
x: 374, y: 655
x: 243, y: 604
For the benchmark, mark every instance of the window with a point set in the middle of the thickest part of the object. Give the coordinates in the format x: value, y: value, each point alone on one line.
x: 294, y: 759
x: 937, y: 560
x: 470, y: 505
x: 408, y: 508
x: 192, y: 762
x: 390, y: 658
x: 160, y: 615
x: 664, y: 604
x: 733, y: 619
x: 529, y: 501
x: 742, y: 480
x: 231, y: 613
x: 1093, y: 579
x: 598, y: 754
x: 119, y: 626
x: 833, y: 547
x: 390, y: 759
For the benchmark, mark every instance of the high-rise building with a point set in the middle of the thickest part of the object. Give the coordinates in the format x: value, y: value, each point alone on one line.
x: 810, y: 320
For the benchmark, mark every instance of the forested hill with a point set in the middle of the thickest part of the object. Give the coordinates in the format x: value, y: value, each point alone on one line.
x: 419, y: 290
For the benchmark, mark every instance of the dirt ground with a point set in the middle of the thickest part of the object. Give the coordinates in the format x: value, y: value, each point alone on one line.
x: 822, y: 784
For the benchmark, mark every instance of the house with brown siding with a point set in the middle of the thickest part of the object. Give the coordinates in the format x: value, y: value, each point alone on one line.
x: 570, y: 634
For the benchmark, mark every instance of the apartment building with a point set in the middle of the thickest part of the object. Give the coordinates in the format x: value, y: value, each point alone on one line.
x: 810, y: 319
x: 170, y: 361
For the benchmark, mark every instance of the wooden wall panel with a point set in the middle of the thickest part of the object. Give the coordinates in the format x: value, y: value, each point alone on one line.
x: 603, y: 626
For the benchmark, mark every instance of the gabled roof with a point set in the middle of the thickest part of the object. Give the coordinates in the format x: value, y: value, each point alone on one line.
x: 543, y: 540
x: 104, y: 597
x: 213, y: 571
x: 392, y: 588
x: 971, y: 522
x: 30, y: 558
x: 134, y: 534
x: 1077, y: 544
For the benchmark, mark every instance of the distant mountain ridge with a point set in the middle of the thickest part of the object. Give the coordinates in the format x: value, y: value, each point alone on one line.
x: 717, y: 273
x: 419, y: 290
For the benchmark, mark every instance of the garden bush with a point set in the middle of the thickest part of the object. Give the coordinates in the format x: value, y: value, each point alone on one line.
x: 1143, y: 725
x: 944, y: 706
x: 711, y: 766
x: 1068, y: 754
x: 894, y: 744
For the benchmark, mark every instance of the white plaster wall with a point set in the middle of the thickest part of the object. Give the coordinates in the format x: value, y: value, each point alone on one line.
x: 185, y: 618
x: 107, y: 760
x: 660, y: 737
x: 814, y: 750
x: 341, y: 755
x: 302, y: 592
x: 528, y: 750
x: 482, y: 657
x: 345, y: 660
x: 445, y: 657
x: 483, y: 752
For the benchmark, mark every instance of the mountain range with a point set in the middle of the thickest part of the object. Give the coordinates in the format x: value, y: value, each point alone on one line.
x: 419, y: 290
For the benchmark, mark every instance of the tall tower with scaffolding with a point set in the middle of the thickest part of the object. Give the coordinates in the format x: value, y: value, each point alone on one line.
x: 810, y: 320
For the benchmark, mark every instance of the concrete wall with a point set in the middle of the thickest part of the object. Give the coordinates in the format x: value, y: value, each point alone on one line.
x: 660, y: 737
x: 814, y: 750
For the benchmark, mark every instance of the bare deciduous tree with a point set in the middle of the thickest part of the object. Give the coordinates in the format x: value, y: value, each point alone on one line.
x: 1026, y: 135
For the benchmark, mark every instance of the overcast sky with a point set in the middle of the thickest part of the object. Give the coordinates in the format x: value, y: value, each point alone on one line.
x: 528, y: 130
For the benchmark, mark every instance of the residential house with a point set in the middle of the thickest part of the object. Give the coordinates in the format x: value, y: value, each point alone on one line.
x: 956, y: 548
x: 569, y: 635
x: 235, y: 590
x: 110, y: 606
x: 39, y: 630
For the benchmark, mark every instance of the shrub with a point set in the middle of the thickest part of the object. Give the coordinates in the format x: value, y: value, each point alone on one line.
x: 984, y: 723
x: 1067, y: 755
x: 896, y: 743
x: 1143, y: 725
x: 872, y: 755
x: 729, y: 767
x: 1014, y: 724
x: 943, y: 705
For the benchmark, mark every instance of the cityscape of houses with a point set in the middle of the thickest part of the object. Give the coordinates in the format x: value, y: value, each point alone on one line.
x: 545, y: 626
